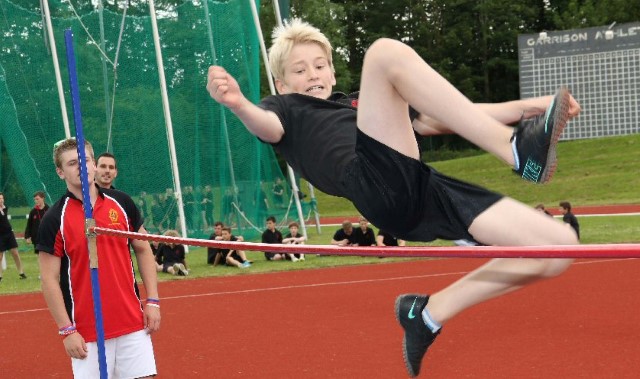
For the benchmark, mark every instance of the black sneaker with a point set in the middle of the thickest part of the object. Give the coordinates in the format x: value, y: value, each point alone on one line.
x: 23, y: 276
x: 535, y: 139
x: 417, y: 337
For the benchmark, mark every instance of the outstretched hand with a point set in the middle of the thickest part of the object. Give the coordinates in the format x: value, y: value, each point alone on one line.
x: 223, y: 88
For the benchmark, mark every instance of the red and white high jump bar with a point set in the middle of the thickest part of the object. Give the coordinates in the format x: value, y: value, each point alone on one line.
x: 557, y: 251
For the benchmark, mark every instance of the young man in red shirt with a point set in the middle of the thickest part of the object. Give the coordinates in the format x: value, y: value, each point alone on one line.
x: 66, y: 281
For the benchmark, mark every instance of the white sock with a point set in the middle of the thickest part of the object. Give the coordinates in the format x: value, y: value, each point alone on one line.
x: 516, y: 164
x: 433, y: 325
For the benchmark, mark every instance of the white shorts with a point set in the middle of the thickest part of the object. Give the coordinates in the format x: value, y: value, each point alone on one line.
x: 133, y: 353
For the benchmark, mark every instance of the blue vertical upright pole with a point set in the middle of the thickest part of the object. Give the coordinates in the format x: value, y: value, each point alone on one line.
x: 86, y: 201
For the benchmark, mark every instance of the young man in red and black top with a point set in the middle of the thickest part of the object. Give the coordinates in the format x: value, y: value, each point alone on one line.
x: 35, y: 217
x: 66, y: 281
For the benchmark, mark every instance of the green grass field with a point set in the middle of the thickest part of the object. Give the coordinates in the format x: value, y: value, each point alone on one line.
x: 591, y: 172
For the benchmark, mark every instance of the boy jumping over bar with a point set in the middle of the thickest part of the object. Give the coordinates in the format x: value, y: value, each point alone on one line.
x: 364, y: 149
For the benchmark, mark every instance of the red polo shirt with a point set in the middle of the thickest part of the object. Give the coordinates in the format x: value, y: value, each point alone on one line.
x: 62, y: 233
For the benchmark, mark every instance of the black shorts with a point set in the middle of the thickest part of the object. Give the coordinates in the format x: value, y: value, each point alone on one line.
x: 409, y: 199
x: 7, y: 242
x: 235, y: 256
x: 166, y: 265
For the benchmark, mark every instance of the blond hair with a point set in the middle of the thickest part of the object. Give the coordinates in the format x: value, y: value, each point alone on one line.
x: 66, y: 145
x: 292, y: 33
x: 171, y: 233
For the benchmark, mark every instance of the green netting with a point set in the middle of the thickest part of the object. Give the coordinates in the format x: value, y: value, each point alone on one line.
x: 214, y: 151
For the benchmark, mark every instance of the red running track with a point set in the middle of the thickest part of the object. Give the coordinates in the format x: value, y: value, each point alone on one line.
x: 339, y: 323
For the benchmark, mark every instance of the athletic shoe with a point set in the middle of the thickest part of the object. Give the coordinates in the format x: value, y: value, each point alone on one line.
x: 246, y: 264
x: 535, y: 139
x: 23, y: 276
x: 417, y: 337
x: 182, y: 271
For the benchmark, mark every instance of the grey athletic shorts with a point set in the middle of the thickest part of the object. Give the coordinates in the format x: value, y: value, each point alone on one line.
x: 409, y: 199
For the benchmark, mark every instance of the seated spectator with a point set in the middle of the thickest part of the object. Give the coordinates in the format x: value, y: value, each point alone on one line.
x: 364, y: 235
x: 213, y: 258
x: 294, y: 238
x: 154, y: 247
x: 386, y: 239
x: 345, y: 235
x: 232, y: 257
x: 273, y: 236
x: 170, y: 257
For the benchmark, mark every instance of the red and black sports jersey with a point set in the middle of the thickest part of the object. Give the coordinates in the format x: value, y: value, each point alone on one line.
x: 62, y: 233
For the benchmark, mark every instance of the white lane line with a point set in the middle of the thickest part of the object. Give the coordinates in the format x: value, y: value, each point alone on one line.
x: 315, y: 285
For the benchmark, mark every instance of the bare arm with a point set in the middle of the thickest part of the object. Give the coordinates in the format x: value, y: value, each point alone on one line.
x: 380, y: 241
x: 343, y: 242
x: 224, y: 89
x: 147, y: 268
x: 74, y: 344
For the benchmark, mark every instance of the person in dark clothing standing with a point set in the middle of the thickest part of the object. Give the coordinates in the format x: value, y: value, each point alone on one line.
x: 33, y: 222
x: 8, y: 239
x: 568, y: 217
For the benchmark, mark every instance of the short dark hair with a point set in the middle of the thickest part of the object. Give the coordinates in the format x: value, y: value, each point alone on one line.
x: 107, y: 155
x: 218, y: 223
x: 566, y: 205
x: 271, y: 218
x: 226, y: 229
x: 39, y: 194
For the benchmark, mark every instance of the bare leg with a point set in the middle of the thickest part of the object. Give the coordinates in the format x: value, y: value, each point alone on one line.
x: 1, y: 270
x: 394, y: 76
x: 17, y: 260
x: 507, y: 223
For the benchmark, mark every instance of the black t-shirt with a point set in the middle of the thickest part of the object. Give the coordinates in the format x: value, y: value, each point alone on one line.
x: 272, y: 236
x: 341, y: 235
x: 319, y: 136
x: 169, y: 255
x: 224, y: 252
x: 33, y: 223
x: 572, y: 220
x: 366, y: 238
